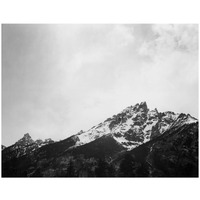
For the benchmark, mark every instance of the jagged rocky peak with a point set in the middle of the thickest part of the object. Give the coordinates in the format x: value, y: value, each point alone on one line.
x: 143, y: 105
x: 25, y: 146
x: 134, y: 125
x: 26, y: 140
x: 136, y: 108
x: 189, y: 116
x: 185, y: 118
x: 153, y: 113
x: 27, y: 136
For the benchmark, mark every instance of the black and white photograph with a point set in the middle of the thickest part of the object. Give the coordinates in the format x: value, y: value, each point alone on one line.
x: 100, y: 100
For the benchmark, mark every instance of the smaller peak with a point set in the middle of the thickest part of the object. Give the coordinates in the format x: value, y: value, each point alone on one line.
x: 27, y: 135
x: 26, y: 139
x: 143, y: 103
x: 182, y: 115
x: 186, y: 118
x: 191, y: 117
x: 188, y: 115
x: 48, y: 140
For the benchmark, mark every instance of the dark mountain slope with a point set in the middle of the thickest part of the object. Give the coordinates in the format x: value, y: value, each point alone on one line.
x: 31, y: 161
x: 104, y: 147
x: 173, y: 154
x: 52, y: 159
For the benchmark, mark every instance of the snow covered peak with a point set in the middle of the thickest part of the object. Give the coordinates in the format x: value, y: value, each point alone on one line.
x: 190, y: 119
x: 134, y: 126
x: 184, y: 119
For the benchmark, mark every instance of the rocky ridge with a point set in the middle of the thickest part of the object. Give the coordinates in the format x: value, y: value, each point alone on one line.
x: 134, y: 126
x: 26, y: 145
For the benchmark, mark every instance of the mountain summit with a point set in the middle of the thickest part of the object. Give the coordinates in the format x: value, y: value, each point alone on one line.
x: 134, y: 126
x: 137, y: 141
x: 25, y: 140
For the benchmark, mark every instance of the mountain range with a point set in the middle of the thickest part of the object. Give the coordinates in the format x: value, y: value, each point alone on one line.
x: 137, y: 142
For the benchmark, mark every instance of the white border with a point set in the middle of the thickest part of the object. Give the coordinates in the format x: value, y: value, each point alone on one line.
x: 103, y: 11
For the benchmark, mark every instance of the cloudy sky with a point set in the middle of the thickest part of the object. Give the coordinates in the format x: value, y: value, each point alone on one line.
x: 60, y: 79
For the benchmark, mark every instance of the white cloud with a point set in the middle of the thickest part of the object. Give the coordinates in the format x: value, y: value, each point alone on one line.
x: 170, y: 38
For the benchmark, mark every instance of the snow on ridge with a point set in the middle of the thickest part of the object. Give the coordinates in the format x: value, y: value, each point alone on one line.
x: 149, y: 127
x: 93, y: 133
x: 136, y: 121
x: 152, y: 113
x: 184, y: 119
x: 171, y: 115
x: 190, y: 119
x: 126, y: 143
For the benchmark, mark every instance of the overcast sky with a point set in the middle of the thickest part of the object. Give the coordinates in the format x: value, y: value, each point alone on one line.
x: 60, y: 79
